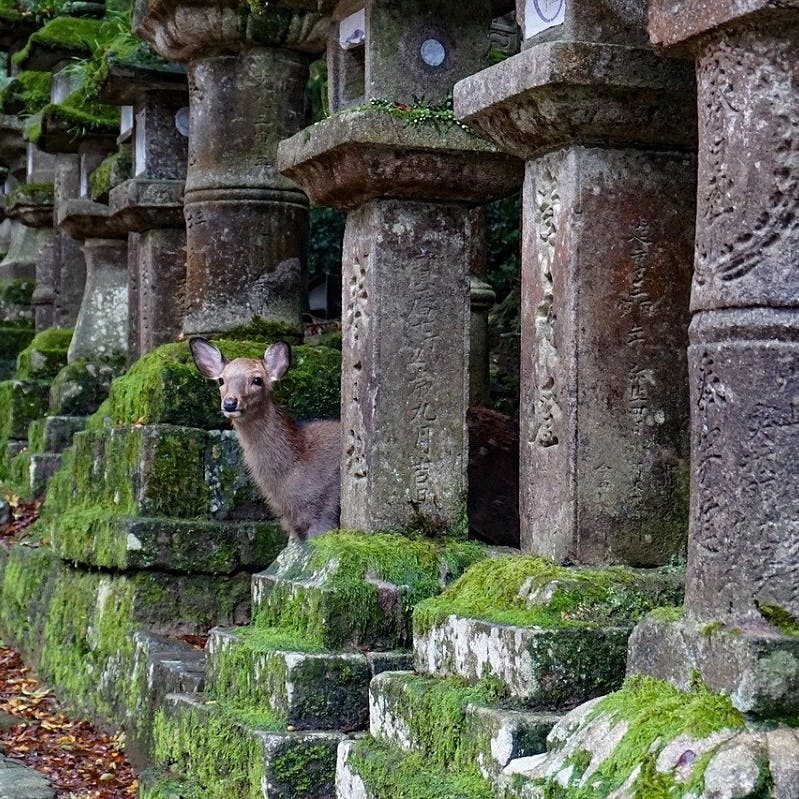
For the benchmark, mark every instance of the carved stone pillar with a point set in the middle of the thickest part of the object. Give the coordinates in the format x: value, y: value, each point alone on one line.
x: 246, y: 225
x: 411, y: 239
x: 744, y: 534
x: 607, y: 130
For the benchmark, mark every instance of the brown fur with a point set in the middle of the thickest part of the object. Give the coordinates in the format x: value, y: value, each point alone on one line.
x: 296, y: 467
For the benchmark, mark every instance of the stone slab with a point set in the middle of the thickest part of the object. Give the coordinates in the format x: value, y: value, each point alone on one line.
x: 86, y: 219
x: 54, y: 433
x: 399, y: 715
x: 142, y: 204
x: 20, y: 782
x: 559, y: 93
x: 311, y: 690
x: 23, y: 402
x: 195, y: 546
x: 357, y: 156
x: 539, y: 667
x: 757, y: 668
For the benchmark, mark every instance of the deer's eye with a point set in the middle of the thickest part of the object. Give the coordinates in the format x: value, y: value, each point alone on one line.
x: 257, y: 381
x: 220, y: 381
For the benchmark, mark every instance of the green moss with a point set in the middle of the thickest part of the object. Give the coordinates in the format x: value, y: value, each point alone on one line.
x: 166, y: 387
x: 75, y: 118
x: 13, y: 340
x: 532, y: 592
x: 300, y: 767
x: 655, y: 714
x: 780, y: 618
x: 46, y: 355
x: 111, y: 172
x: 38, y: 194
x: 76, y: 35
x: 26, y: 93
x: 21, y: 401
x: 388, y: 772
x: 347, y: 587
x: 213, y: 743
x: 668, y: 613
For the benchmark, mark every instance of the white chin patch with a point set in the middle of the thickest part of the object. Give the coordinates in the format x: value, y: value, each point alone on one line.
x: 232, y: 414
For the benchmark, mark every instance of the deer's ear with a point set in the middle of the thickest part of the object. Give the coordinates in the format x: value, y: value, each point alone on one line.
x: 277, y: 360
x: 207, y: 357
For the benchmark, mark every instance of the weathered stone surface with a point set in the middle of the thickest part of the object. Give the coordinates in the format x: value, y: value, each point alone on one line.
x: 403, y: 707
x: 80, y: 387
x: 352, y: 158
x: 101, y: 326
x: 581, y: 92
x: 406, y: 45
x: 605, y: 281
x: 538, y: 667
x: 143, y: 204
x: 161, y: 666
x: 20, y: 782
x: 22, y: 402
x: 757, y: 668
x: 404, y: 430
x: 310, y: 690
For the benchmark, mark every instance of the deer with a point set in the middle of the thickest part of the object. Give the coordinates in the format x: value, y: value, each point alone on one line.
x: 295, y: 466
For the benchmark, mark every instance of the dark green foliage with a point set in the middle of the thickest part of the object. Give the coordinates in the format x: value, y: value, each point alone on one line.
x: 26, y: 93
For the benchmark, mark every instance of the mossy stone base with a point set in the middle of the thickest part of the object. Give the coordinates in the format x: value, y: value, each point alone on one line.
x: 80, y: 387
x: 224, y: 752
x: 758, y: 670
x: 75, y: 627
x: 45, y: 356
x: 21, y: 402
x: 53, y: 433
x: 651, y: 740
x: 449, y: 724
x: 311, y: 690
x: 349, y: 590
x: 16, y: 312
x: 368, y: 769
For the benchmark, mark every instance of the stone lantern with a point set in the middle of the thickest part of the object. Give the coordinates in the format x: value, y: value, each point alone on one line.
x: 150, y: 203
x: 411, y: 236
x: 607, y: 128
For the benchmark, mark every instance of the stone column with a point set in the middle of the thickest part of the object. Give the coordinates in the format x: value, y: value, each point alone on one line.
x: 742, y: 592
x: 246, y: 225
x: 411, y: 238
x: 607, y: 129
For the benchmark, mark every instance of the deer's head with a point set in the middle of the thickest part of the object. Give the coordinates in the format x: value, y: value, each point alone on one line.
x: 245, y: 384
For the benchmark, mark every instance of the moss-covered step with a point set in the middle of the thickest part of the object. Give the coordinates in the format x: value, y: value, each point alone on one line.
x: 652, y: 740
x: 53, y: 433
x: 355, y: 590
x: 220, y: 751
x: 551, y: 636
x: 80, y: 387
x: 310, y: 689
x: 369, y: 769
x: 161, y: 666
x: 75, y: 627
x: 165, y: 386
x: 45, y: 356
x: 194, y: 546
x: 29, y: 472
x: 453, y: 724
x: 21, y: 401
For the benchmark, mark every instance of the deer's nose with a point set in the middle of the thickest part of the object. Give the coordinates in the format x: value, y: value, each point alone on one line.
x: 229, y: 403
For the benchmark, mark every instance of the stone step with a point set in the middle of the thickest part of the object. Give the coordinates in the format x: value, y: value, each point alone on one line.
x: 22, y: 402
x: 348, y: 590
x: 227, y: 752
x: 445, y: 719
x: 369, y: 769
x: 310, y: 689
x: 161, y: 666
x: 549, y: 636
x: 98, y: 537
x: 54, y: 433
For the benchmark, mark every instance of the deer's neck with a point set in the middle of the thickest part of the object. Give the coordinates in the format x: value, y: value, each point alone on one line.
x: 271, y: 446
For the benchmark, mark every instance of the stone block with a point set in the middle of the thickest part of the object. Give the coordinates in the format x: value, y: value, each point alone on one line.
x: 369, y: 769
x: 22, y: 401
x: 45, y: 356
x: 227, y: 753
x: 194, y: 546
x: 348, y: 590
x: 53, y: 433
x: 444, y: 720
x: 758, y: 669
x: 80, y: 387
x: 20, y: 782
x: 538, y: 667
x: 42, y: 467
x: 352, y: 158
x: 310, y: 690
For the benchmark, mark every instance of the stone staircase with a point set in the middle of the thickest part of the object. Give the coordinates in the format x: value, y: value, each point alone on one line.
x: 281, y: 694
x: 318, y: 696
